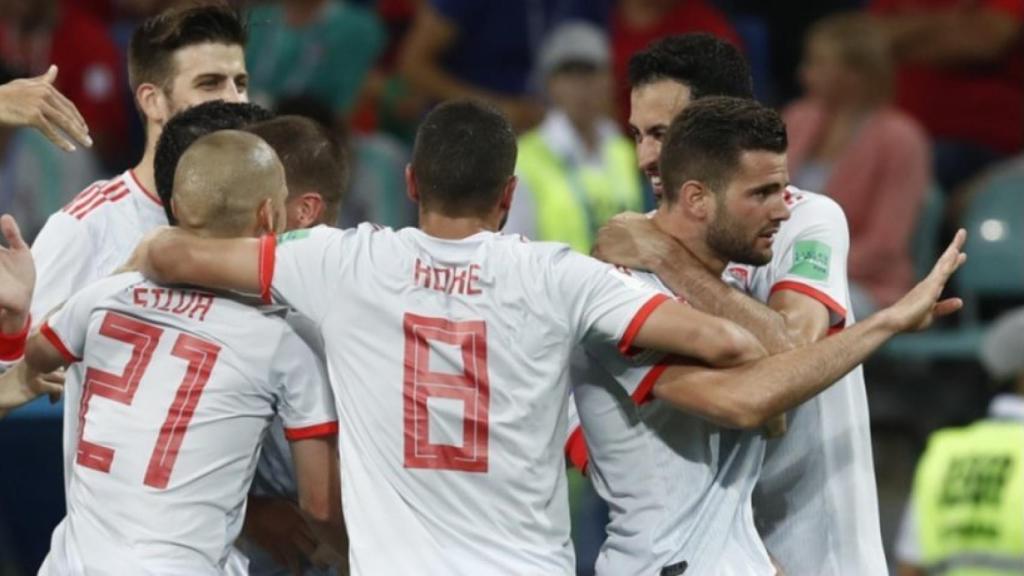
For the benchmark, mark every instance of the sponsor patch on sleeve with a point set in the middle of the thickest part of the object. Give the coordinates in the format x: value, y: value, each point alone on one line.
x: 811, y: 260
x: 293, y: 235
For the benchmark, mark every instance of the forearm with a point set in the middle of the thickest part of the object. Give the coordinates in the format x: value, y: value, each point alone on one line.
x: 711, y: 295
x: 747, y: 396
x: 178, y: 257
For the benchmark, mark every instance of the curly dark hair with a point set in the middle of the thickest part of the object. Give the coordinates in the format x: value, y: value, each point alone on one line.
x: 708, y: 65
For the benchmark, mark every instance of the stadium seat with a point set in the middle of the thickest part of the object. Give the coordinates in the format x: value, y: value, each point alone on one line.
x: 994, y: 268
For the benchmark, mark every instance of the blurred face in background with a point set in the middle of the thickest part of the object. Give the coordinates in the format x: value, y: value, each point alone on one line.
x: 582, y: 91
x: 652, y: 107
x: 823, y: 74
x: 847, y: 63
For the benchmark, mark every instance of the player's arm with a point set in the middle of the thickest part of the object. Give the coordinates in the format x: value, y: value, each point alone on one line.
x: 680, y: 329
x: 954, y: 36
x: 37, y: 103
x: 317, y: 475
x: 747, y: 396
x: 20, y: 385
x: 175, y: 256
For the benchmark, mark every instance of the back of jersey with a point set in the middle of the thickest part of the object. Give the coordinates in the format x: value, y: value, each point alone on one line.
x: 179, y: 386
x: 449, y: 364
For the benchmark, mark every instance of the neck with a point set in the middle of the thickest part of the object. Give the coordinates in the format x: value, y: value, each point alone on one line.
x: 144, y: 169
x: 454, y: 228
x: 587, y: 132
x: 672, y: 223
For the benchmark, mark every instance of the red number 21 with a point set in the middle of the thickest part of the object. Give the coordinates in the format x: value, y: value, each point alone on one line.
x: 143, y: 338
x: 471, y: 388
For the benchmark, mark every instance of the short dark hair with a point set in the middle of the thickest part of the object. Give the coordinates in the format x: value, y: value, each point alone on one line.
x: 709, y: 66
x: 464, y: 153
x: 188, y: 126
x: 314, y: 157
x: 155, y: 41
x: 705, y: 141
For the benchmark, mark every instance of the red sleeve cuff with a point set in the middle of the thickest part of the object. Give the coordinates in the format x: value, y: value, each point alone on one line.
x: 626, y: 343
x: 818, y: 295
x: 315, y: 431
x: 576, y: 450
x: 268, y: 252
x: 642, y: 394
x: 57, y: 343
x: 12, y: 346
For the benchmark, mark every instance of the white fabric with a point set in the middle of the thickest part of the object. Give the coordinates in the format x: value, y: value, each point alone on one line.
x: 213, y: 373
x: 678, y: 487
x: 90, y: 238
x: 449, y: 362
x: 816, y: 504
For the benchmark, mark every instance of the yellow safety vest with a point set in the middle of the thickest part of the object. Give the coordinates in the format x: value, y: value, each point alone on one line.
x: 969, y: 500
x: 574, y: 201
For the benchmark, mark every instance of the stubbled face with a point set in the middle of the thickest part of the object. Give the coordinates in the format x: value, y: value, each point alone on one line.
x: 652, y: 108
x: 749, y: 211
x: 206, y: 72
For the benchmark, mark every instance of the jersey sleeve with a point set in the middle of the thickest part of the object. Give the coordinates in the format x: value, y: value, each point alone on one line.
x: 66, y: 329
x: 305, y: 402
x: 812, y: 255
x: 604, y: 303
x: 65, y: 262
x: 301, y: 269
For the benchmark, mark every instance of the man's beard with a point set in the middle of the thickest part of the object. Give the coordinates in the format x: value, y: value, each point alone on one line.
x: 726, y: 240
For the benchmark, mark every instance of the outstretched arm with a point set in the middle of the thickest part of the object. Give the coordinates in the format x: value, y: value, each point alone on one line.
x: 36, y: 102
x: 746, y: 396
x: 317, y: 474
x: 20, y: 385
x: 175, y: 256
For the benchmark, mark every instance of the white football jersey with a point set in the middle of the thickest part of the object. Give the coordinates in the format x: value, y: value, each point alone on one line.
x: 678, y: 487
x: 816, y: 505
x: 87, y: 240
x: 179, y: 387
x: 449, y: 363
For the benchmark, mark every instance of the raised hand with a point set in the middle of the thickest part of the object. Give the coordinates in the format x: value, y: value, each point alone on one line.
x: 921, y: 306
x: 17, y: 277
x: 36, y: 102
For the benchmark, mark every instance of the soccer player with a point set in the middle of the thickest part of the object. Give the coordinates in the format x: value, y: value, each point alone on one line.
x: 180, y: 386
x: 815, y: 503
x: 277, y: 537
x: 448, y: 345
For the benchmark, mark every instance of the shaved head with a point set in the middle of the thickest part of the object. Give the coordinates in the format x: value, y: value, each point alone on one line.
x: 224, y: 180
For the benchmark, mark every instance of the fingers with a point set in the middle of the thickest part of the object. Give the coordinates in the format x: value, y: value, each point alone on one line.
x: 44, y: 125
x: 11, y: 232
x: 50, y: 76
x: 63, y: 113
x: 947, y: 307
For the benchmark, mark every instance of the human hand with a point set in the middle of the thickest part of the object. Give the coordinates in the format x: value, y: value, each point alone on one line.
x: 36, y: 102
x: 633, y: 240
x: 17, y: 278
x: 919, y: 308
x: 277, y: 526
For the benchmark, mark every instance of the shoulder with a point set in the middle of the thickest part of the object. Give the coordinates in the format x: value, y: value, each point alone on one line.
x: 111, y: 286
x: 97, y: 198
x: 899, y: 129
x: 810, y: 209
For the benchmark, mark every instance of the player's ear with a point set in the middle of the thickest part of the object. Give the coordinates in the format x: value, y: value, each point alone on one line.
x: 307, y: 209
x: 266, y: 221
x: 508, y: 193
x: 696, y: 199
x: 410, y: 184
x: 153, y: 102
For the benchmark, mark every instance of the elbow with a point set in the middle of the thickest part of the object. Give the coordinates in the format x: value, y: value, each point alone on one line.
x: 742, y: 415
x: 319, y: 508
x: 736, y: 346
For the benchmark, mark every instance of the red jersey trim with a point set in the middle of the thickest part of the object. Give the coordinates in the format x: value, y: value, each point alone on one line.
x: 576, y: 450
x: 315, y: 431
x: 95, y: 196
x: 268, y: 254
x: 642, y: 394
x: 626, y: 343
x: 148, y: 194
x: 12, y: 346
x: 54, y: 339
x: 818, y: 295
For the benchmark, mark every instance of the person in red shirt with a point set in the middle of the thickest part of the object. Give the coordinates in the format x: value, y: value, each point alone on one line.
x: 37, y: 33
x: 961, y: 75
x: 637, y: 23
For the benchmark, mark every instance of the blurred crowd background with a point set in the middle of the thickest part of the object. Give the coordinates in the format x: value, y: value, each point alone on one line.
x: 910, y: 113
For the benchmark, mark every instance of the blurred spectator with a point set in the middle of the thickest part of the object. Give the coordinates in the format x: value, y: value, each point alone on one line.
x: 486, y: 50
x: 36, y: 33
x: 961, y: 75
x: 847, y: 141
x: 319, y: 48
x: 376, y: 192
x: 966, y: 510
x: 637, y: 23
x: 576, y: 170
